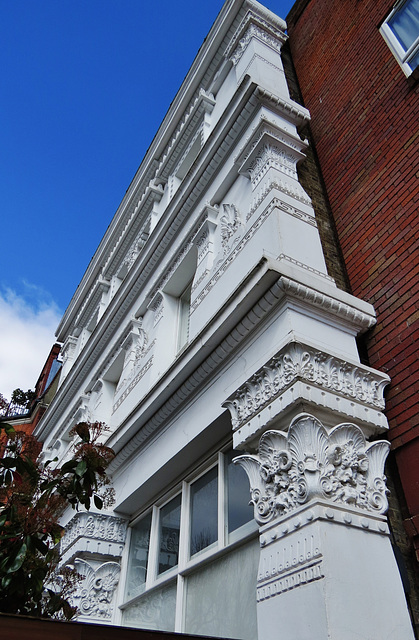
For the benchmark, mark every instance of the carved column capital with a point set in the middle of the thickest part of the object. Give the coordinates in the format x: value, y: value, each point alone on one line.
x: 253, y: 27
x: 308, y: 463
x: 96, y: 593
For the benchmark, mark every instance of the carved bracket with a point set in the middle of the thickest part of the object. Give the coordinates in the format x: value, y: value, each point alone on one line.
x: 307, y: 463
x: 97, y: 589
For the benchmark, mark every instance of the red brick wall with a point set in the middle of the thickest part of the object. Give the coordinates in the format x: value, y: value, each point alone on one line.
x: 365, y: 125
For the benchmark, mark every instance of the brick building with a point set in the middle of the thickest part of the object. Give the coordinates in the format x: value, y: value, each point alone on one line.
x: 358, y: 76
x: 25, y: 418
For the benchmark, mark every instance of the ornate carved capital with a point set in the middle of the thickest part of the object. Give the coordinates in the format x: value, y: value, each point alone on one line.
x: 308, y: 463
x: 68, y: 349
x: 97, y: 590
x: 230, y: 222
x: 253, y: 26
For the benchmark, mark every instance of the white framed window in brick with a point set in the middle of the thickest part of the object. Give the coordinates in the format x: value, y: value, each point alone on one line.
x: 400, y: 30
x: 177, y: 549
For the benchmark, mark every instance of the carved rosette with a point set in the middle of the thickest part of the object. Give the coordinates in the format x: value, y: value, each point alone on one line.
x: 308, y: 463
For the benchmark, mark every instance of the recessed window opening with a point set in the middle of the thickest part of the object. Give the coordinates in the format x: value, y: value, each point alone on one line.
x: 184, y: 316
x: 176, y: 547
x: 189, y: 158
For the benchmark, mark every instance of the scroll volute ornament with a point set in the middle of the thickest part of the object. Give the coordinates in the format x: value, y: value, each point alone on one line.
x: 307, y: 463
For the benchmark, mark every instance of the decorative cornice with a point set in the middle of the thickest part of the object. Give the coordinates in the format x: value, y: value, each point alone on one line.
x: 300, y: 362
x: 306, y: 267
x: 327, y: 303
x: 181, y: 140
x: 292, y: 110
x: 200, y: 374
x: 242, y: 242
x: 91, y: 303
x: 307, y: 463
x: 136, y: 378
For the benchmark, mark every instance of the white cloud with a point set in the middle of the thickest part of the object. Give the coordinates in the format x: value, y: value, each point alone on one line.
x: 27, y: 327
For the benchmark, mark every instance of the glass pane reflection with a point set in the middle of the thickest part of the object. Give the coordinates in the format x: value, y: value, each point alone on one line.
x: 204, y: 511
x: 138, y: 557
x: 169, y: 535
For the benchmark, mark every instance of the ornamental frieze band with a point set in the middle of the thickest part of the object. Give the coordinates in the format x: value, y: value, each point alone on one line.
x: 300, y: 362
x: 94, y: 525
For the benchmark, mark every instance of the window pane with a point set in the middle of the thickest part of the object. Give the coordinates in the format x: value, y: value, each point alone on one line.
x: 169, y: 535
x: 155, y: 610
x: 204, y: 511
x: 138, y: 557
x: 221, y: 597
x: 238, y: 494
x: 405, y: 23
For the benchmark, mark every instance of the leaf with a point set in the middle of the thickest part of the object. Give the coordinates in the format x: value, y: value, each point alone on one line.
x: 83, y: 431
x: 19, y: 559
x: 7, y: 428
x: 98, y: 501
x: 69, y: 466
x: 6, y: 580
x: 81, y: 468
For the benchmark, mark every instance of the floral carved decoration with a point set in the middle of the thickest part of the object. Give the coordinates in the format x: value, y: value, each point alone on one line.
x: 97, y: 588
x: 309, y: 463
x: 229, y: 224
x: 300, y: 362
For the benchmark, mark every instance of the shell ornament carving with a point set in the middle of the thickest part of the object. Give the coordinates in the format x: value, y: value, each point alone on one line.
x: 308, y: 463
x: 97, y: 589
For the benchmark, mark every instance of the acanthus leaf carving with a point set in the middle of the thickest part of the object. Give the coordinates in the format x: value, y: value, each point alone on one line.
x: 307, y: 463
x: 99, y: 526
x: 229, y: 223
x: 97, y: 589
x: 298, y: 361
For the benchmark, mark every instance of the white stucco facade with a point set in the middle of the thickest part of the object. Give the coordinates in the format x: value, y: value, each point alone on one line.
x: 207, y: 328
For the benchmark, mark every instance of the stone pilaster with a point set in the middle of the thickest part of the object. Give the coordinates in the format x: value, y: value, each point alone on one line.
x: 94, y: 543
x: 326, y: 566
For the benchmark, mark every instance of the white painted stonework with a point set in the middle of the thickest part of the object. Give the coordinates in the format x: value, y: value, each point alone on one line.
x: 207, y: 328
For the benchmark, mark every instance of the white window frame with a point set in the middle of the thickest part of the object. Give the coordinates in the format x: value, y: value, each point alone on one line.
x: 402, y: 55
x: 186, y: 563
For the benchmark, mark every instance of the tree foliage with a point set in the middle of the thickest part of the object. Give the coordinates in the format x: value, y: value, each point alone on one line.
x: 33, y: 496
x: 22, y: 398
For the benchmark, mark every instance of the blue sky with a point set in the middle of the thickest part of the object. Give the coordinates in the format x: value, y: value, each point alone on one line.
x: 84, y: 85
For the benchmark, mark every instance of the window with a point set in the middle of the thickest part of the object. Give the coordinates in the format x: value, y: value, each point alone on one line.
x: 401, y: 32
x: 190, y: 550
